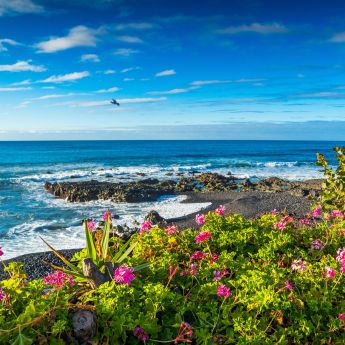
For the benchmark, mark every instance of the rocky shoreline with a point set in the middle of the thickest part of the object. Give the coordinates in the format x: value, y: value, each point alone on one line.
x: 151, y: 189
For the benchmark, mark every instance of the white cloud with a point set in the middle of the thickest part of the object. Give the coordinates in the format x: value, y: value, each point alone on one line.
x: 129, y: 69
x: 22, y: 66
x: 166, y: 73
x: 24, y: 82
x: 23, y: 104
x: 3, y: 41
x: 126, y: 52
x: 173, y: 91
x: 112, y: 89
x: 135, y: 26
x: 19, y: 6
x: 90, y: 57
x: 323, y: 95
x: 209, y: 82
x: 109, y: 71
x: 79, y: 36
x: 338, y: 38
x: 273, y: 28
x: 128, y: 79
x: 53, y: 96
x: 5, y: 89
x: 121, y: 101
x: 65, y: 77
x: 130, y: 39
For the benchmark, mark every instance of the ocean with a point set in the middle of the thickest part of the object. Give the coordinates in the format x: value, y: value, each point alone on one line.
x: 27, y: 211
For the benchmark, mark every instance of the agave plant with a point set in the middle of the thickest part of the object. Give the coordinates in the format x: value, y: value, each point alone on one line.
x: 100, y: 263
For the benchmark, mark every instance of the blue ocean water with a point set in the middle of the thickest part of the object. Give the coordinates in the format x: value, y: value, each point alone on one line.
x: 27, y: 211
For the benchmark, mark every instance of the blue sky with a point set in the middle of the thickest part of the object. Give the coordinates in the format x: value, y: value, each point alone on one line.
x: 246, y: 69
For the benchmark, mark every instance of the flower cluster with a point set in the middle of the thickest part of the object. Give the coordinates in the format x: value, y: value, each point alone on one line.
x: 337, y: 214
x: 2, y: 294
x: 124, y: 275
x: 192, y: 270
x: 223, y: 291
x: 341, y: 258
x: 341, y: 318
x: 185, y: 333
x: 145, y: 226
x: 107, y: 216
x: 317, y: 245
x: 280, y: 226
x: 140, y: 333
x: 203, y: 236
x: 59, y: 279
x: 330, y: 272
x: 91, y: 225
x: 171, y: 230
x: 298, y: 265
x: 1, y: 252
x: 218, y: 275
x: 200, y: 219
x: 304, y: 221
x: 288, y: 285
x: 316, y: 212
x: 199, y: 255
x: 220, y: 210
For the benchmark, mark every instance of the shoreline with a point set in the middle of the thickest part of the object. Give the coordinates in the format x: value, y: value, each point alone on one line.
x: 249, y: 204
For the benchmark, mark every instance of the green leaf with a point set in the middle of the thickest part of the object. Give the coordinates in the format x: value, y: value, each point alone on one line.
x: 22, y: 340
x: 123, y: 253
x: 90, y: 244
x: 105, y: 239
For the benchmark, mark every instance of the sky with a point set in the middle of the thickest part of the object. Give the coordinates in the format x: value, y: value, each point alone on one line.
x: 235, y: 69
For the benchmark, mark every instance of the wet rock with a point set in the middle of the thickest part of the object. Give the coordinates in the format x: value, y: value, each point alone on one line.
x: 155, y: 218
x: 84, y: 325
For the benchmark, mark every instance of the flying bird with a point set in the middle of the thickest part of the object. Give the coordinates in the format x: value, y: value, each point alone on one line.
x: 115, y: 102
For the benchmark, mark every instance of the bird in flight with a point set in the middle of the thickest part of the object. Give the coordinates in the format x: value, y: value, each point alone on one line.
x: 115, y: 102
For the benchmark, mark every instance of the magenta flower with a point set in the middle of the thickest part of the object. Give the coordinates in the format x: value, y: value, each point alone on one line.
x: 214, y: 257
x: 2, y: 294
x: 288, y: 285
x: 140, y: 333
x: 171, y: 229
x: 200, y: 219
x: 223, y: 291
x: 218, y: 275
x: 58, y: 279
x: 220, y: 210
x: 341, y: 317
x: 199, y: 255
x: 203, y: 236
x: 91, y: 225
x: 1, y: 252
x: 185, y: 333
x: 124, y: 275
x: 304, y: 221
x: 317, y: 245
x: 316, y: 212
x: 341, y: 256
x: 330, y: 272
x: 145, y: 226
x: 274, y: 212
x: 280, y: 226
x: 192, y: 270
x: 107, y: 216
x: 336, y: 214
x: 298, y: 265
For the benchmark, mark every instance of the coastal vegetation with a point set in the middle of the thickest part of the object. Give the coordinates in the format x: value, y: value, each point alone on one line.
x: 276, y: 279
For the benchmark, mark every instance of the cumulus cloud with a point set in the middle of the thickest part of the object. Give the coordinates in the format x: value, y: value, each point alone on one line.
x: 19, y: 7
x: 112, y: 89
x: 6, y: 89
x: 79, y: 36
x: 126, y: 51
x: 22, y: 66
x: 65, y: 77
x: 5, y: 41
x: 130, y: 39
x: 129, y: 69
x: 90, y: 57
x: 338, y: 38
x: 274, y: 28
x: 166, y: 73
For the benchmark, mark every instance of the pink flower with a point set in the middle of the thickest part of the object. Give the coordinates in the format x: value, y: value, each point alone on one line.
x: 200, y: 219
x: 298, y: 265
x: 171, y: 229
x: 316, y: 212
x: 2, y: 294
x: 124, y: 275
x: 91, y: 225
x: 223, y: 291
x: 304, y: 221
x: 288, y: 219
x: 341, y: 256
x: 341, y: 317
x: 342, y: 269
x: 203, y: 236
x: 274, y: 212
x: 192, y: 270
x: 218, y: 275
x: 317, y: 245
x: 140, y: 333
x: 185, y: 333
x: 220, y: 210
x: 107, y: 216
x: 199, y: 255
x: 330, y: 272
x: 336, y: 214
x: 214, y: 257
x: 1, y: 252
x: 145, y: 226
x: 288, y: 285
x: 58, y: 279
x: 280, y: 226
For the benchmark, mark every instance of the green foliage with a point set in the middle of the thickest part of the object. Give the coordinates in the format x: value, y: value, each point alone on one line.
x: 333, y: 187
x: 261, y: 309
